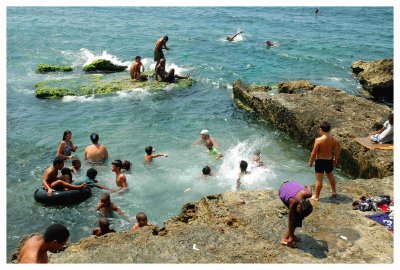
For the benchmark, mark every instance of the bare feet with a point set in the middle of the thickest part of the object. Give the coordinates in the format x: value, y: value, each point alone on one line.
x: 288, y: 244
x: 314, y: 198
x: 296, y: 239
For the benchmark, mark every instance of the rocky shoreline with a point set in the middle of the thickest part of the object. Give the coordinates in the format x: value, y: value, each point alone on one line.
x: 246, y: 227
x: 299, y: 107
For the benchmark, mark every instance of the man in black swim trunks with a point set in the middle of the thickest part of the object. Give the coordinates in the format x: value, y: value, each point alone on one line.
x: 326, y: 153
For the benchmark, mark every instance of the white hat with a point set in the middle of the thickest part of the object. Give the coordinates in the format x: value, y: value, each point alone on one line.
x: 204, y: 132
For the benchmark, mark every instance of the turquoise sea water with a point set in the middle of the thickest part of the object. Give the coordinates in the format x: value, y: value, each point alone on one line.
x: 318, y: 48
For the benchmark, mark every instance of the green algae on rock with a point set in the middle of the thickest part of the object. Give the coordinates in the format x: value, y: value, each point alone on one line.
x: 44, y: 68
x: 102, y: 65
x: 98, y: 85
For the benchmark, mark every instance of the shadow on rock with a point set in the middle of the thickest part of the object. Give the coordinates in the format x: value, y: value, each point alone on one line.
x: 317, y: 248
x: 340, y: 199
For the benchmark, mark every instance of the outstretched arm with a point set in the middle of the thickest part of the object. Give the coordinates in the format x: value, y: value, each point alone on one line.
x: 119, y: 211
x: 159, y: 155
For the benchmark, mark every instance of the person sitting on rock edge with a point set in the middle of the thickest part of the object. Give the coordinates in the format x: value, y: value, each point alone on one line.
x: 34, y: 250
x: 295, y: 197
x: 165, y: 76
x: 134, y: 71
x: 385, y: 134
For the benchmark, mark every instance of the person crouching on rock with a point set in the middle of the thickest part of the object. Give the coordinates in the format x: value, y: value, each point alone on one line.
x: 135, y: 70
x: 295, y: 196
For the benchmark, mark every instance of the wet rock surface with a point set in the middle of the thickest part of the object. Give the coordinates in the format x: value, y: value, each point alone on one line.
x: 376, y: 77
x: 300, y: 114
x: 246, y: 227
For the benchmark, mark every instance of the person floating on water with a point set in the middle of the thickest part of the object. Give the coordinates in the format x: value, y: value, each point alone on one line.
x: 34, y: 249
x: 326, y: 153
x: 316, y: 11
x: 257, y: 158
x: 134, y: 71
x: 158, y: 47
x: 243, y: 171
x: 232, y: 38
x: 214, y: 152
x: 165, y: 76
x: 52, y: 183
x: 106, y: 207
x: 95, y: 152
x: 295, y: 197
x: 66, y: 146
x: 120, y: 178
x: 104, y: 227
x: 149, y: 154
x: 207, y: 171
x: 385, y: 134
x: 142, y: 222
x: 90, y: 180
x: 76, y: 165
x: 269, y: 43
x: 204, y: 136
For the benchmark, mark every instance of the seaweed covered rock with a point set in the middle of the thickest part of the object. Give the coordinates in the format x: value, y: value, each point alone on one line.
x: 102, y: 65
x: 44, y: 68
x: 376, y: 77
x: 99, y: 85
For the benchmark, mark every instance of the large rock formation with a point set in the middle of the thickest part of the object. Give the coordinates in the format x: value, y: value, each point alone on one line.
x: 376, y: 77
x: 246, y: 227
x: 300, y: 114
x: 98, y: 85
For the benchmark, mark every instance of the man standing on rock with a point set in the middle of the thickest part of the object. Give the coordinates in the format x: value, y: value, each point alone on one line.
x: 326, y: 153
x: 158, y: 47
x: 295, y: 196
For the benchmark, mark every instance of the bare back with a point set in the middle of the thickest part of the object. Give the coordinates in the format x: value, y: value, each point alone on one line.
x: 325, y: 147
x: 134, y: 70
x: 159, y: 44
x: 31, y: 251
x: 96, y: 152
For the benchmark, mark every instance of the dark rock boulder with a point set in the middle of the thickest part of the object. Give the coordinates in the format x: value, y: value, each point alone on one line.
x: 300, y: 115
x: 376, y: 77
x: 104, y: 66
x: 292, y: 87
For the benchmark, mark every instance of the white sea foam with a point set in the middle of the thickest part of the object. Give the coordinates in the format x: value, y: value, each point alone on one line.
x: 137, y: 93
x: 259, y: 176
x: 90, y: 57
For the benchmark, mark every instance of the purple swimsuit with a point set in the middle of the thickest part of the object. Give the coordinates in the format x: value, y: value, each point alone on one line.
x: 288, y: 190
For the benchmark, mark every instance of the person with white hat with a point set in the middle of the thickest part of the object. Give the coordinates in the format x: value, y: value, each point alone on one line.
x: 205, y: 135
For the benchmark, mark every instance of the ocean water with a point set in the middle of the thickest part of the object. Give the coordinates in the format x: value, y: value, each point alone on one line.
x: 317, y: 48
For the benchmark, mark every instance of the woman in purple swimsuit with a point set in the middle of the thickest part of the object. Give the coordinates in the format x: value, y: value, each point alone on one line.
x: 66, y: 146
x: 295, y: 196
